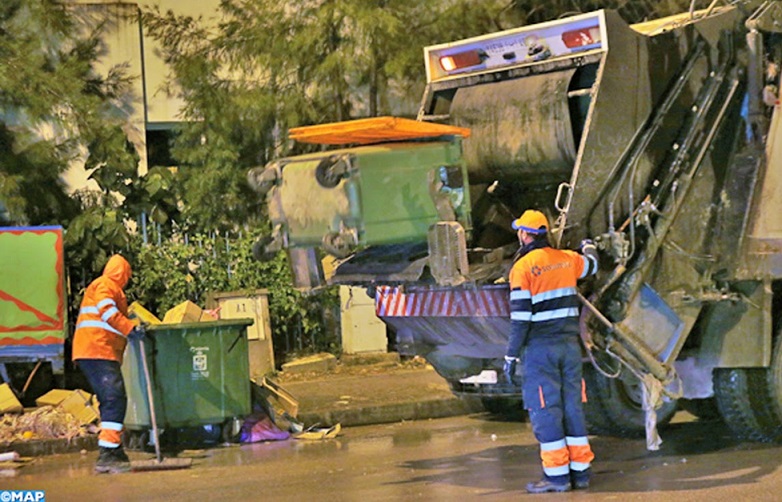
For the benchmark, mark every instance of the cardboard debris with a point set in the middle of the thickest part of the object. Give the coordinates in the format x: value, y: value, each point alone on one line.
x: 79, y: 403
x: 139, y: 312
x: 283, y: 401
x: 316, y: 434
x: 185, y: 312
x: 207, y: 316
x: 8, y: 401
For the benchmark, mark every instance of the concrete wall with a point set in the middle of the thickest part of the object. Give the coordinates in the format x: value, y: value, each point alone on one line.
x: 362, y: 331
x: 126, y: 44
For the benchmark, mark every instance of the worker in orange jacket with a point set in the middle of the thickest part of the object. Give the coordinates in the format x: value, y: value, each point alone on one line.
x: 544, y: 324
x: 102, y: 332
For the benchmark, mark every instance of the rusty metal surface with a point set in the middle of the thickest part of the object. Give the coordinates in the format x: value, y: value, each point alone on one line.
x: 766, y: 224
x: 521, y: 128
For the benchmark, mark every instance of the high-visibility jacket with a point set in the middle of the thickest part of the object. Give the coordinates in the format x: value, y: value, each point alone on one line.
x: 543, y: 296
x: 103, y: 326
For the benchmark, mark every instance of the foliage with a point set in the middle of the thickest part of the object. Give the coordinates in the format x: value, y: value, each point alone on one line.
x: 632, y: 11
x: 55, y: 110
x: 178, y: 270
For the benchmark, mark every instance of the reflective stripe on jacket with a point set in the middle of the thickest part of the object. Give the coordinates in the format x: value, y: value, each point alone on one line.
x: 102, y: 326
x: 543, y: 298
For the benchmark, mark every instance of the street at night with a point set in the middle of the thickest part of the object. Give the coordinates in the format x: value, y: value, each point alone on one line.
x: 473, y: 457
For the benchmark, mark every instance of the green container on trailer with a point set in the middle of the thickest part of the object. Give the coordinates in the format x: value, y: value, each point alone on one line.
x: 200, y: 374
x: 385, y: 195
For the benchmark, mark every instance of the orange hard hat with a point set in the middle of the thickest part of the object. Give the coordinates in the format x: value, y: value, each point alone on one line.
x: 531, y: 221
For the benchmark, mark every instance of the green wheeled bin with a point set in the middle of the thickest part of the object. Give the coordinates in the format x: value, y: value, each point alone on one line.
x: 200, y: 376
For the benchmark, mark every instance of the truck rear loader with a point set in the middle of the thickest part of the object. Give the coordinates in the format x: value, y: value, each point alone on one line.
x: 661, y: 141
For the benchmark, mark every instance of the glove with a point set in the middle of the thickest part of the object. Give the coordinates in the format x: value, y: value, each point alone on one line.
x: 585, y: 244
x: 509, y: 368
x: 138, y: 333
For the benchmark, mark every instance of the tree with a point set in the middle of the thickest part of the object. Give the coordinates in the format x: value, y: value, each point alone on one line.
x: 55, y: 110
x: 632, y: 11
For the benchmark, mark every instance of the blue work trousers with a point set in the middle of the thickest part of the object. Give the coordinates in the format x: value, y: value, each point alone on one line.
x: 105, y: 378
x: 554, y: 394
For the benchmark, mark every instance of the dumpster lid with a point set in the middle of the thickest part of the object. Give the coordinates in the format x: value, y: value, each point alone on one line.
x: 373, y: 130
x: 202, y: 324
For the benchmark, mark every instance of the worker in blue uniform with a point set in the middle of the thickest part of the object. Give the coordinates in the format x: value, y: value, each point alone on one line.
x: 544, y: 325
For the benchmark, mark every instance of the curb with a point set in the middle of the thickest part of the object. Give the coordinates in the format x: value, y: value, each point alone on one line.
x: 37, y: 448
x: 389, y: 413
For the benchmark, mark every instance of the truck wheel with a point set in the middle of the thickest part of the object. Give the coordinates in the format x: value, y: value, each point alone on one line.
x: 733, y: 389
x: 750, y: 399
x: 765, y: 387
x: 616, y: 407
x: 596, y: 417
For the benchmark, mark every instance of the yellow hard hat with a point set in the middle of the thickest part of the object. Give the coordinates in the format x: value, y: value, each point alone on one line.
x: 531, y: 221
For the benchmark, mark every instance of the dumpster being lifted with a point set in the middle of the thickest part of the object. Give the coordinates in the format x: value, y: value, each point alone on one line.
x: 200, y: 377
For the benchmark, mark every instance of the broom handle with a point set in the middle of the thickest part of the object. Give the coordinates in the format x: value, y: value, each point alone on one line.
x: 150, y: 399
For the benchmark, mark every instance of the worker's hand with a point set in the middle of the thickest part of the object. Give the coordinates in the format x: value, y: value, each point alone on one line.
x: 586, y: 243
x: 509, y: 368
x: 138, y: 333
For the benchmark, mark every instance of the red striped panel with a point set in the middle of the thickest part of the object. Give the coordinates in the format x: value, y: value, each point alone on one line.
x: 392, y: 301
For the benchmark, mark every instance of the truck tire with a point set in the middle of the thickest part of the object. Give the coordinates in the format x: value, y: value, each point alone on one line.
x: 615, y: 408
x: 734, y: 389
x: 766, y: 385
x: 596, y: 417
x: 750, y: 399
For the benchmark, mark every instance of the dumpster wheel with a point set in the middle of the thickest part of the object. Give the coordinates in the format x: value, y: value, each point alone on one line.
x: 232, y: 430
x: 135, y: 440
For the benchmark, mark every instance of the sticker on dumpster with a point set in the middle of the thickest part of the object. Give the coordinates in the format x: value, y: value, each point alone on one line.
x: 200, y: 363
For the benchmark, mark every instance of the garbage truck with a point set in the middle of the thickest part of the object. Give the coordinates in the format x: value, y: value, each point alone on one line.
x: 660, y: 141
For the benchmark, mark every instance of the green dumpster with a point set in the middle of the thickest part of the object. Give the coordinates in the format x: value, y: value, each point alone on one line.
x: 200, y: 375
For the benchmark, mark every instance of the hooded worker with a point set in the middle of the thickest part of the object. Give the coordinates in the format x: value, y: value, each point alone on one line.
x: 102, y: 332
x: 544, y: 324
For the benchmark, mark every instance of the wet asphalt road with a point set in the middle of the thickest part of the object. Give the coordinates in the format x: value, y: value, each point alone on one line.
x: 464, y: 458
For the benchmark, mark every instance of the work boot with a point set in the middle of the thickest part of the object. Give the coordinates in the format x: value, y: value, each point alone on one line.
x: 580, y: 479
x: 545, y: 486
x: 580, y: 484
x: 112, y: 460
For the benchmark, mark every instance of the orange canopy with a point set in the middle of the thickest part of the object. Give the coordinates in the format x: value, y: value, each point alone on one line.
x: 373, y: 130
